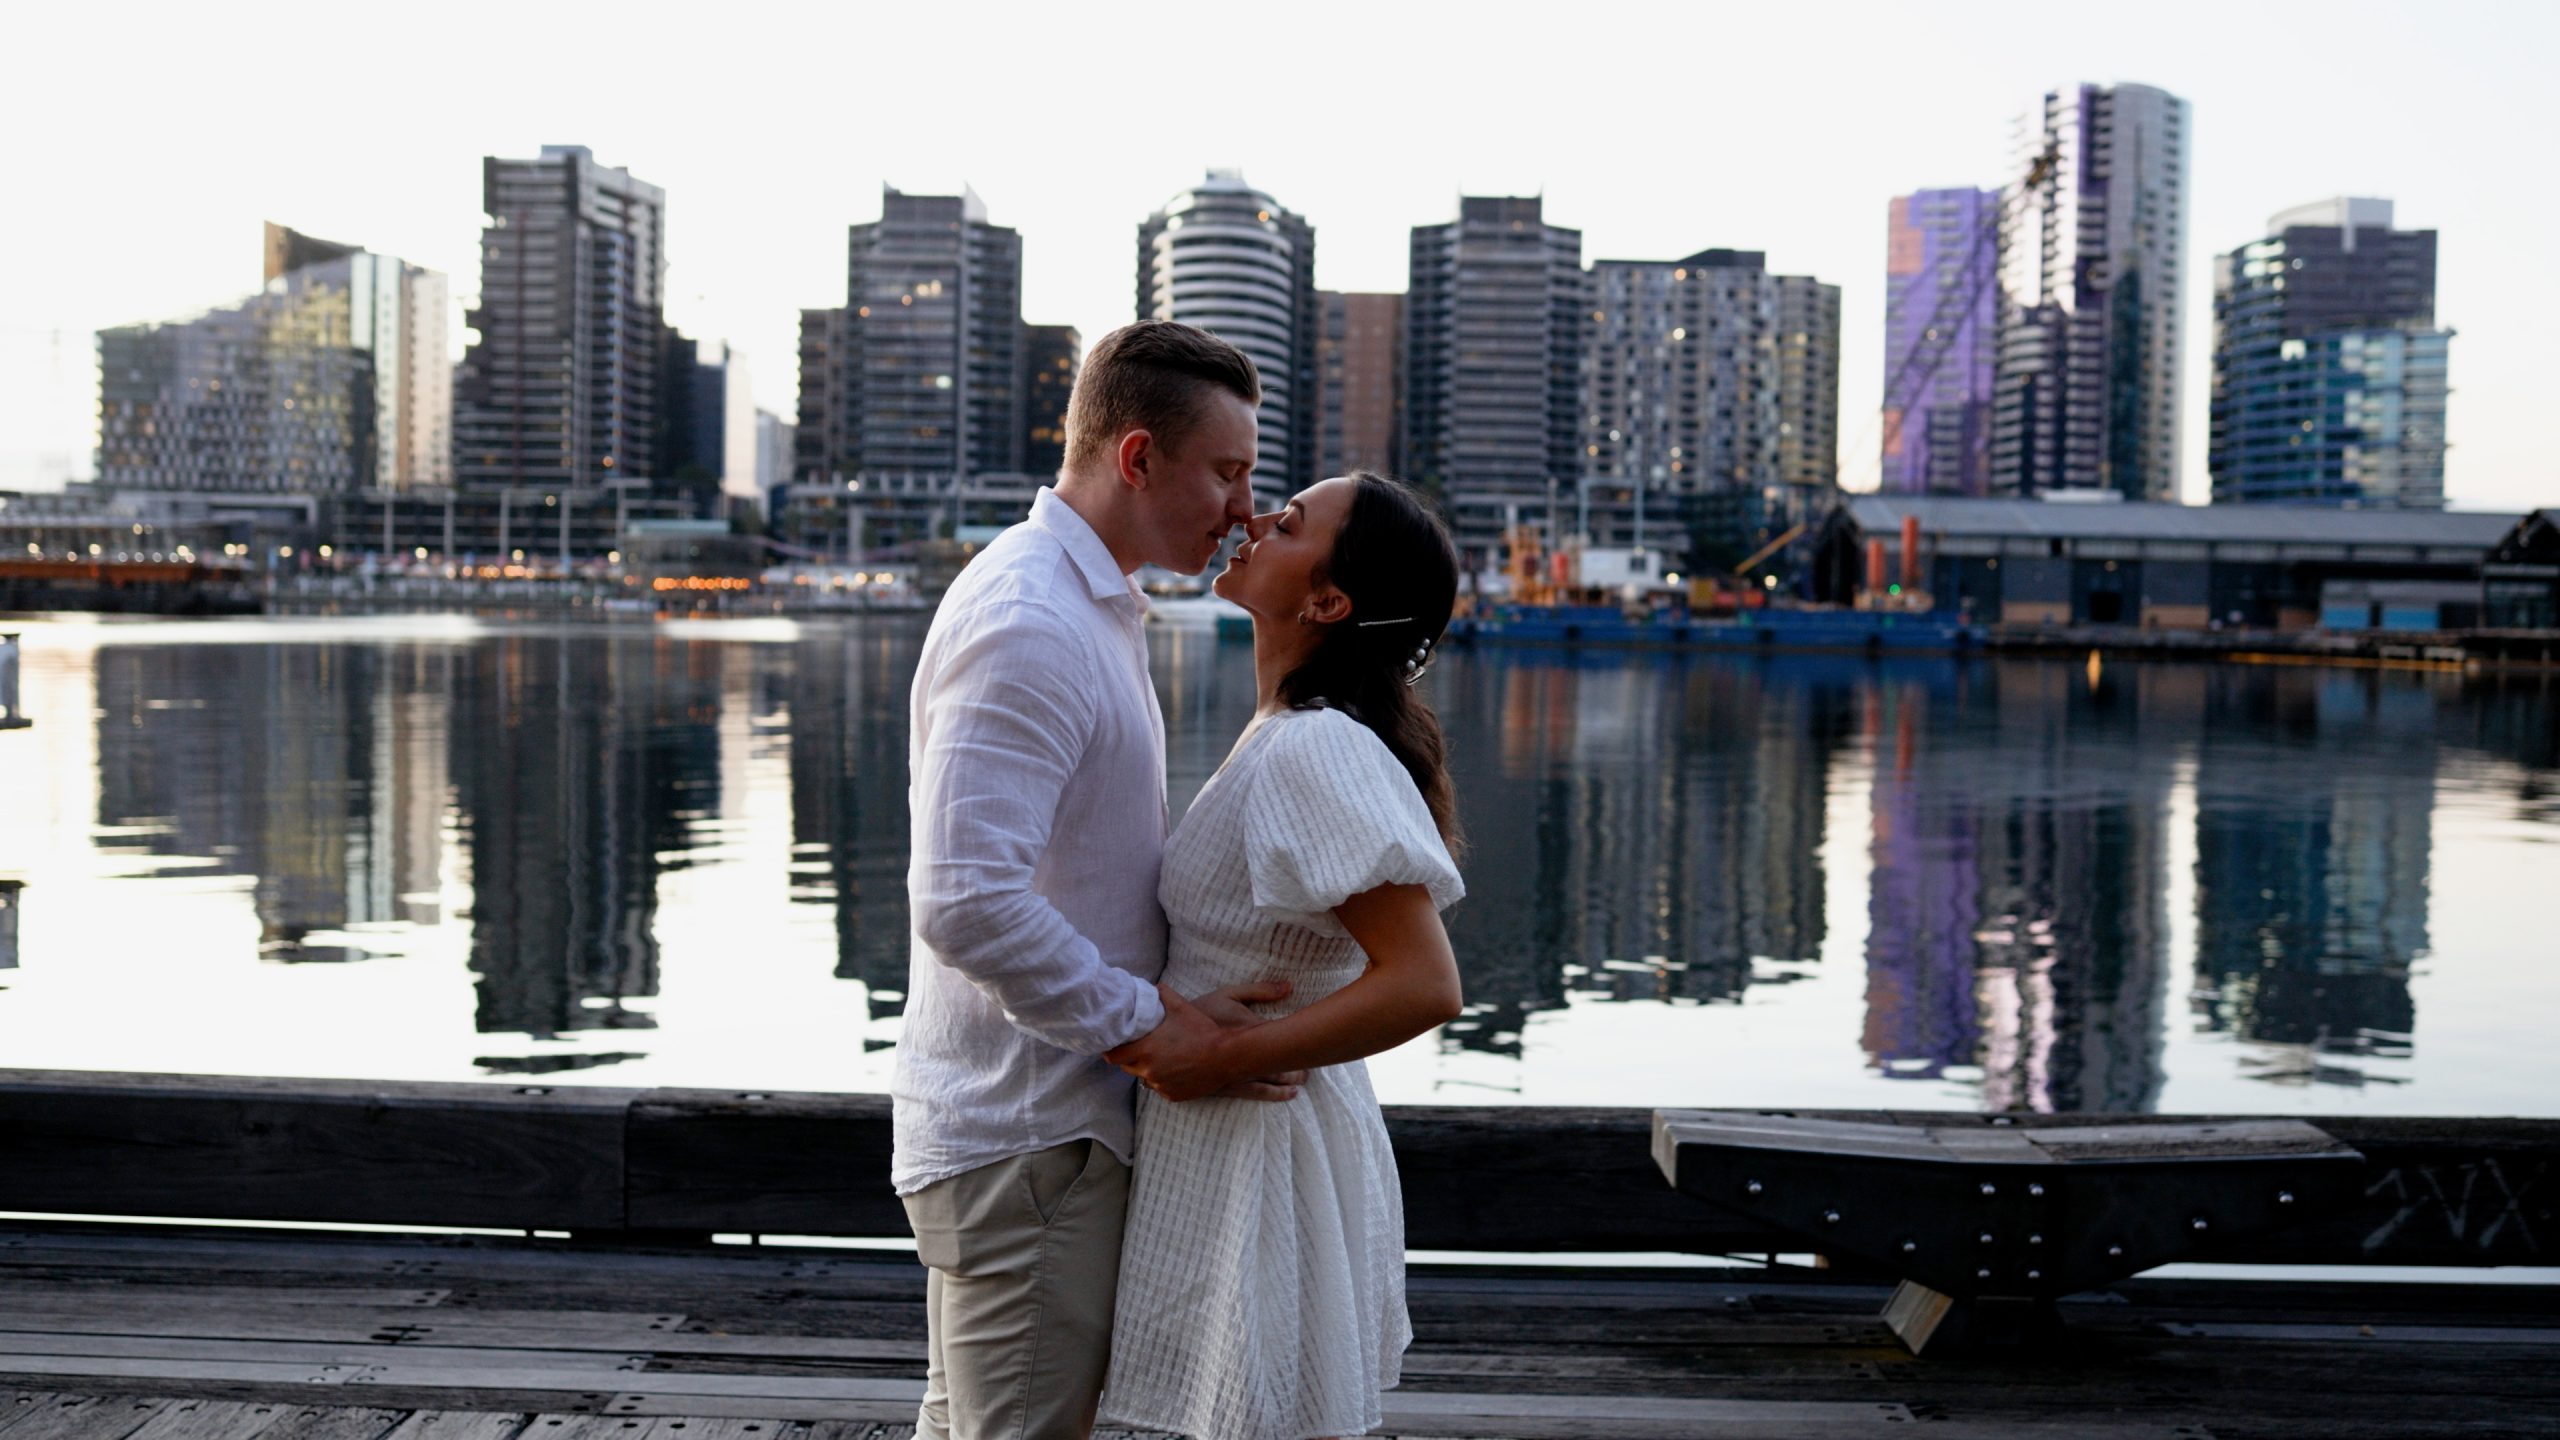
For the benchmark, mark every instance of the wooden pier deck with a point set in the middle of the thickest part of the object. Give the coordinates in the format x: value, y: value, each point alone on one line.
x: 175, y: 1333
x: 611, y: 1292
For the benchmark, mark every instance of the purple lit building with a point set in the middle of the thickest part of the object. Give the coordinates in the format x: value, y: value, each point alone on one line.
x: 1941, y: 334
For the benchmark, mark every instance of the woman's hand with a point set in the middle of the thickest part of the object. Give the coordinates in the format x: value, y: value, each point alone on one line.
x: 1190, y: 1056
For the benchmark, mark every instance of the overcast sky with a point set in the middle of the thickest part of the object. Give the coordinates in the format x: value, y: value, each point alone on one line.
x: 147, y: 143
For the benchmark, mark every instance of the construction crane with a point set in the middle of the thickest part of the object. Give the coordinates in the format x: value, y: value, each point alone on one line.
x: 1955, y: 308
x: 1773, y: 547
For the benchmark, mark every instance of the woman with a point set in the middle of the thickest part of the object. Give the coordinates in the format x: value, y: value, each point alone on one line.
x: 1262, y: 1277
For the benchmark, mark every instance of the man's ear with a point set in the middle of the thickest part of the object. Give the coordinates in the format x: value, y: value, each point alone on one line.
x: 1137, y: 458
x: 1328, y: 606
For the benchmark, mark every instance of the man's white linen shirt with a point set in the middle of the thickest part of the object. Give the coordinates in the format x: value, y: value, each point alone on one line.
x: 1035, y: 764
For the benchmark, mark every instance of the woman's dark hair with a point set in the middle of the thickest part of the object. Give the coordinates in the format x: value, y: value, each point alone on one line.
x: 1396, y: 562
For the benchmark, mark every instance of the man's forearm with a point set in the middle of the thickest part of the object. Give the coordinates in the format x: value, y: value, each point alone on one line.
x: 1050, y: 981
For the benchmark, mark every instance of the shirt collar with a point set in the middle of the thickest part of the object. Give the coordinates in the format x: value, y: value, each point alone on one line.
x: 1102, y: 574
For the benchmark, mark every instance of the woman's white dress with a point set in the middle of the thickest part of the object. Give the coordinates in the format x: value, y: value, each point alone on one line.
x: 1262, y: 1278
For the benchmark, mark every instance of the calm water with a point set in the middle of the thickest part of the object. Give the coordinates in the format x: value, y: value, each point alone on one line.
x: 446, y: 849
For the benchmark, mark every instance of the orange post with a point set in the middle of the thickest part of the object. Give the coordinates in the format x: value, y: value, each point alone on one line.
x: 1910, y: 553
x: 1875, y: 567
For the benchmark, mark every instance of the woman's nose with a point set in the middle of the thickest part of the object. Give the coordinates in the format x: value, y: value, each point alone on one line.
x: 1260, y: 525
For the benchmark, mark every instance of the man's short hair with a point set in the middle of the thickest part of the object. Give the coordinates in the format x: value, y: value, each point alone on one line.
x: 1156, y: 376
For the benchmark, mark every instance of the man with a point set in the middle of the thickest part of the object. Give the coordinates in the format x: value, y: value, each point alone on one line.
x: 1036, y: 768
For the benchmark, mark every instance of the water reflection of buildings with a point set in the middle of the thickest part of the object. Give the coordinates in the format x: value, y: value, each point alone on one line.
x: 2017, y: 910
x: 575, y: 768
x: 847, y: 696
x: 1665, y: 818
x: 586, y: 765
x: 316, y: 771
x: 2313, y: 830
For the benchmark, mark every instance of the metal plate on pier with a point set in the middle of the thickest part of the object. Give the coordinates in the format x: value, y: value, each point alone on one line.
x: 1999, y: 1219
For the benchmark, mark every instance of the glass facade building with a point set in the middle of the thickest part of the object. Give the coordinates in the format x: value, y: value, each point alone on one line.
x: 1050, y: 354
x: 332, y: 379
x: 2329, y: 372
x: 1941, y: 328
x: 2093, y: 275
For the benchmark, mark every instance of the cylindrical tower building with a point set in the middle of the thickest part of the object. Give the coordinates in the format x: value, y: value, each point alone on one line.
x: 1227, y: 258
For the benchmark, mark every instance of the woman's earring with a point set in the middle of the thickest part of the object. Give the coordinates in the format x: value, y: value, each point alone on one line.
x: 1303, y: 620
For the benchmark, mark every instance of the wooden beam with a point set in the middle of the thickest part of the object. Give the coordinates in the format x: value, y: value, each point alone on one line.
x: 597, y: 1159
x: 375, y: 1152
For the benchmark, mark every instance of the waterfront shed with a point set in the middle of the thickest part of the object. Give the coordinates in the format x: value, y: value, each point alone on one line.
x: 2520, y: 583
x: 2158, y: 566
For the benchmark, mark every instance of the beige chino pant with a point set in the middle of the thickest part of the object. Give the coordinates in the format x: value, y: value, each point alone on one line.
x: 1023, y: 1262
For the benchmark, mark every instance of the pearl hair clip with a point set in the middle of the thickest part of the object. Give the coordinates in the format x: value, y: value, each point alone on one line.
x: 1399, y: 620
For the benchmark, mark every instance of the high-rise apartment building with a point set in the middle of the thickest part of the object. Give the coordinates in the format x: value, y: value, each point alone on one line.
x: 1233, y: 261
x: 920, y: 373
x: 1808, y: 346
x: 561, y: 387
x: 819, y: 444
x: 1359, y: 365
x: 773, y: 455
x: 706, y: 422
x: 2329, y: 377
x: 1496, y: 307
x: 331, y: 380
x: 1050, y: 354
x: 1710, y: 387
x: 1941, y: 334
x: 2094, y: 271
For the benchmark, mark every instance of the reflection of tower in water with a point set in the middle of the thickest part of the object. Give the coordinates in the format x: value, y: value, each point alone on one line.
x: 2019, y: 873
x: 1642, y: 830
x: 588, y: 765
x: 2311, y: 871
x: 314, y: 769
x: 849, y: 799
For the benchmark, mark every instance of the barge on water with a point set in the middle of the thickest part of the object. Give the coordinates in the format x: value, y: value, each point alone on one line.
x: 1869, y: 632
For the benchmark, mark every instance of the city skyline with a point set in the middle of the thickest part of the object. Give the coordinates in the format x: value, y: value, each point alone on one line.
x: 747, y: 249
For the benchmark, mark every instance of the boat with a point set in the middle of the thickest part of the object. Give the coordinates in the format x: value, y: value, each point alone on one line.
x: 1200, y: 611
x: 1860, y: 631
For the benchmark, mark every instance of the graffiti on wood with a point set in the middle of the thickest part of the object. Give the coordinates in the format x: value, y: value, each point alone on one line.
x: 2478, y: 1204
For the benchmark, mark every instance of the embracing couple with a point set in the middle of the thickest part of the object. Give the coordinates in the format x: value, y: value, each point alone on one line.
x: 1221, y: 1252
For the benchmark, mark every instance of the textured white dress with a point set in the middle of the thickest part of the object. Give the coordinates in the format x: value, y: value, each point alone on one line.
x: 1262, y: 1279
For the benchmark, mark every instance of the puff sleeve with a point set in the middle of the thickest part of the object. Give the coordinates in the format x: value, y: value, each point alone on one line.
x: 1332, y: 814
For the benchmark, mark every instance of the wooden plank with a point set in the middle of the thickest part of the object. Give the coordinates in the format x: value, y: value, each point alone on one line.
x: 2385, y: 1333
x: 211, y: 1420
x: 677, y: 1384
x: 102, y: 1367
x: 591, y: 1427
x: 1421, y: 1412
x: 522, y: 1157
x: 333, y: 1422
x: 314, y: 1353
x: 584, y: 1158
x: 776, y: 1163
x: 458, y: 1425
x: 211, y: 1316
x: 697, y: 1427
x: 16, y: 1403
x: 764, y: 1410
x: 83, y: 1417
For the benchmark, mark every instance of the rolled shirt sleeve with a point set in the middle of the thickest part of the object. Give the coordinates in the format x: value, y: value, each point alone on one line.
x: 1008, y: 718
